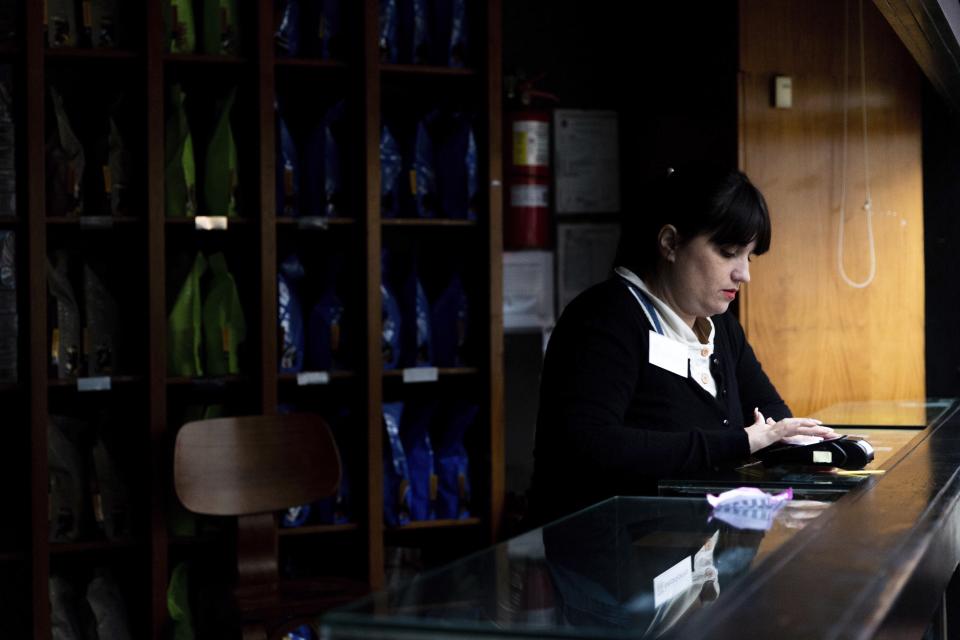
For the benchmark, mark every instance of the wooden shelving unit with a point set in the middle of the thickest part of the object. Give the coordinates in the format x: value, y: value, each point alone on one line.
x: 147, y: 244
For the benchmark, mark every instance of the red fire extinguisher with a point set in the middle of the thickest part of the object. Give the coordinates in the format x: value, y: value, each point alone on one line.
x: 527, y: 220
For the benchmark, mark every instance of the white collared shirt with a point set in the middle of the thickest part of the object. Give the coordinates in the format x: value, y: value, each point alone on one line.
x: 677, y: 330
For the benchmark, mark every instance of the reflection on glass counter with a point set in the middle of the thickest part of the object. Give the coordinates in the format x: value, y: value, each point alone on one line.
x: 625, y: 568
x: 915, y: 414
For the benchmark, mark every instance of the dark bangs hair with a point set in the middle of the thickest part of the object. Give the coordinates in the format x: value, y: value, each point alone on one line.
x: 700, y: 200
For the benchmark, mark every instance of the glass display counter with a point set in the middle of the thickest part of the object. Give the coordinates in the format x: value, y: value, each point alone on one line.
x: 625, y: 568
x: 879, y: 560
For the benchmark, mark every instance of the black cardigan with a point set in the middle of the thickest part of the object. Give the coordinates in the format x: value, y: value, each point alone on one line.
x: 611, y: 423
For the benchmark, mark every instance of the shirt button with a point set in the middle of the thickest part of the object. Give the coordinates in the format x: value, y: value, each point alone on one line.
x: 704, y: 352
x: 703, y: 378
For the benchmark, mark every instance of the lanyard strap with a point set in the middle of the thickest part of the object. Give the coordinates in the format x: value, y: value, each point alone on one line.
x: 646, y: 303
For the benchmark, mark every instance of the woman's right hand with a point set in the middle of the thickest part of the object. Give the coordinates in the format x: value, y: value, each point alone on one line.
x: 764, y: 432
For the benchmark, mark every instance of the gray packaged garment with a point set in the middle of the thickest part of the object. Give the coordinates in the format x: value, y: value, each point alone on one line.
x: 61, y: 23
x: 9, y: 10
x: 64, y: 622
x: 66, y: 481
x: 8, y: 272
x: 65, y: 164
x: 111, y: 501
x: 8, y: 167
x: 118, y: 170
x: 101, y: 23
x: 8, y: 307
x: 63, y: 310
x: 102, y: 322
x: 106, y: 603
x: 8, y: 347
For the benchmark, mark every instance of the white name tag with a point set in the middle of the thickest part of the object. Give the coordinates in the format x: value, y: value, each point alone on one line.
x: 668, y: 354
x: 672, y: 582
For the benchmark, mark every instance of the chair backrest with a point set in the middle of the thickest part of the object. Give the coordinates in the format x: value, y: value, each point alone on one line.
x: 254, y: 464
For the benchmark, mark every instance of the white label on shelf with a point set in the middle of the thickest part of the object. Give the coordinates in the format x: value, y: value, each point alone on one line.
x: 421, y: 374
x: 305, y: 378
x: 529, y: 195
x: 96, y: 222
x: 211, y: 223
x: 824, y: 457
x: 313, y: 222
x: 94, y: 383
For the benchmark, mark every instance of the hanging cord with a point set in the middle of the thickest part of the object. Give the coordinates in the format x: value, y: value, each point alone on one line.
x: 868, y: 203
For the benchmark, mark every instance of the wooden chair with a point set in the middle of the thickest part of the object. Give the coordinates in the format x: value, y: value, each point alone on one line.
x: 251, y: 467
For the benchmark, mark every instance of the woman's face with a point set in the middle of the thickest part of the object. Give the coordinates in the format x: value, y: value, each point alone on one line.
x: 703, y: 277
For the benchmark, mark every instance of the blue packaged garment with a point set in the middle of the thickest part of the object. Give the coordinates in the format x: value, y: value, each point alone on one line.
x: 424, y: 173
x: 391, y: 166
x: 295, y: 516
x: 453, y: 468
x: 415, y: 435
x: 396, y: 474
x: 313, y: 186
x: 290, y: 315
x: 422, y: 37
x: 288, y: 169
x: 323, y: 332
x: 287, y: 35
x: 330, y: 30
x: 334, y: 194
x: 302, y: 632
x: 449, y: 323
x: 459, y: 34
x: 416, y: 344
x: 336, y: 509
x: 456, y: 162
x: 388, y: 38
x: 391, y: 318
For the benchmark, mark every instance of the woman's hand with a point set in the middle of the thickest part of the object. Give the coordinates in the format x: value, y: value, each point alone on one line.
x: 764, y: 432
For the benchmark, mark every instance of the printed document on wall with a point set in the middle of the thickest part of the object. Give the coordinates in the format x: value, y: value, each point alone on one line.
x: 587, y: 161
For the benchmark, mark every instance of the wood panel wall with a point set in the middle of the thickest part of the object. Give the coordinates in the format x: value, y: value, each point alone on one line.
x: 820, y: 340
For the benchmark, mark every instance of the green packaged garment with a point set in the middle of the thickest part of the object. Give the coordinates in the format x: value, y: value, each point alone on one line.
x: 61, y: 23
x: 184, y: 325
x: 65, y: 163
x: 178, y: 603
x: 180, y: 172
x: 101, y: 311
x: 65, y: 319
x: 220, y: 176
x: 224, y: 328
x: 182, y: 33
x: 221, y: 32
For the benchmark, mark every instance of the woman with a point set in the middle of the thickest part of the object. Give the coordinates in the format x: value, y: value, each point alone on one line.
x: 647, y: 375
